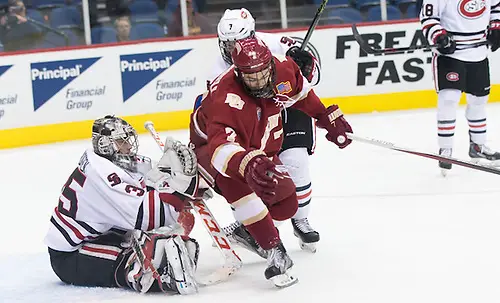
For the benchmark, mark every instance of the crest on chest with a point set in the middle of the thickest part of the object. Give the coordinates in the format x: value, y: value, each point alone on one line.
x: 471, y: 9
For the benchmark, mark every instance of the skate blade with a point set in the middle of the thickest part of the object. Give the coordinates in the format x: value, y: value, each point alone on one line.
x: 284, y: 280
x: 444, y: 172
x: 310, y: 247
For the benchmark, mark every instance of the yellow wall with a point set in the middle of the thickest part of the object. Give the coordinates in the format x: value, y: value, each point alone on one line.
x: 18, y: 137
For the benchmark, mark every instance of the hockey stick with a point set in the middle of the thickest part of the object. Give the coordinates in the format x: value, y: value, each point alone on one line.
x: 393, y: 50
x: 232, y: 262
x: 315, y: 21
x: 449, y: 160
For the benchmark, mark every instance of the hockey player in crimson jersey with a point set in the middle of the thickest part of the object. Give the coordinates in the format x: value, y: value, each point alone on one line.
x: 299, y: 129
x: 101, y: 232
x: 237, y: 132
x: 457, y: 67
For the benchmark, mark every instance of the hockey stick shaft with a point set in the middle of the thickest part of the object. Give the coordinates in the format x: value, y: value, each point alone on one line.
x: 232, y: 262
x: 315, y: 21
x: 394, y: 50
x: 450, y: 160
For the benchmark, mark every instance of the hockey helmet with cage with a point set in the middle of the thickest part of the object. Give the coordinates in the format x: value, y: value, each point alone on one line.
x: 116, y: 140
x: 235, y: 24
x: 254, y: 65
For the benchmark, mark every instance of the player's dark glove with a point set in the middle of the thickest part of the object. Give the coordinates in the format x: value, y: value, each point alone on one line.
x: 304, y: 60
x: 445, y: 42
x: 334, y: 122
x: 260, y: 174
x: 494, y: 35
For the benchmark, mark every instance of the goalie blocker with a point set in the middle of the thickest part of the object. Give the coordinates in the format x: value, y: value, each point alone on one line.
x: 119, y: 220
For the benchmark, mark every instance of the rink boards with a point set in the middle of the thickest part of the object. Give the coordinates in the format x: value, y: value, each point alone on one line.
x: 52, y: 96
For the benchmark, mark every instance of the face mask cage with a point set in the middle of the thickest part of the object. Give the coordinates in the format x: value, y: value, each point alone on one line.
x: 117, y: 141
x: 226, y: 47
x: 259, y: 84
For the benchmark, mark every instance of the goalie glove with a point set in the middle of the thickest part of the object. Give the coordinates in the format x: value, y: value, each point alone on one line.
x: 177, y: 171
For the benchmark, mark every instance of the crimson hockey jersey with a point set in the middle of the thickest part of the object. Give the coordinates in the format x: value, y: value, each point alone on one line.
x: 100, y: 196
x: 467, y: 20
x: 278, y: 45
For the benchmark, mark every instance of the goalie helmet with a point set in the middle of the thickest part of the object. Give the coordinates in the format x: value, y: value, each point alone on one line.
x: 254, y: 67
x: 116, y: 140
x: 234, y: 25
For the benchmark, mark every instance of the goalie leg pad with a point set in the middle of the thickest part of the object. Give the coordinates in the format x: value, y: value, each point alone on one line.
x: 182, y: 259
x: 160, y: 262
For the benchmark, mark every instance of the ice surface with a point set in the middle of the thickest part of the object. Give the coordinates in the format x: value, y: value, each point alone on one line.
x: 392, y: 229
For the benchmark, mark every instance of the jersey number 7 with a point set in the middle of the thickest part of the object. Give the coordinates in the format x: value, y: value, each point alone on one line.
x: 68, y: 202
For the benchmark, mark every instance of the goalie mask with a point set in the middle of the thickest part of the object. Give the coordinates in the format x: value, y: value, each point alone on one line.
x: 116, y: 140
x: 254, y: 67
x: 235, y: 24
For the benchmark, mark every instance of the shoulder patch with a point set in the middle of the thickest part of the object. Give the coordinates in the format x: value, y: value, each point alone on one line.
x: 284, y: 87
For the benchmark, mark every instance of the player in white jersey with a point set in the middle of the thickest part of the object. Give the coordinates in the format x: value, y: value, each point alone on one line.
x: 101, y: 230
x: 457, y: 67
x: 299, y: 129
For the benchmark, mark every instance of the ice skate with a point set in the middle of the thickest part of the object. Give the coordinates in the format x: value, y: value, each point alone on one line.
x: 445, y: 167
x: 481, y: 151
x: 308, y: 237
x: 238, y: 234
x: 279, y: 267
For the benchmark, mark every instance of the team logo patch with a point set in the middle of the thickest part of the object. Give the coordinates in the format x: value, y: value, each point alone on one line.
x: 284, y: 87
x: 471, y: 9
x: 452, y: 76
x: 259, y: 113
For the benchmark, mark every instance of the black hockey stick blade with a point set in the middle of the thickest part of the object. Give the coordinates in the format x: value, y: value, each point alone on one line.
x: 315, y: 21
x: 394, y: 50
x: 362, y: 43
x: 450, y: 160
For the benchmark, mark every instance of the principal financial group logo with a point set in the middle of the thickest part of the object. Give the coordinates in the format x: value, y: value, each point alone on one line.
x: 48, y: 78
x: 4, y: 68
x: 139, y: 69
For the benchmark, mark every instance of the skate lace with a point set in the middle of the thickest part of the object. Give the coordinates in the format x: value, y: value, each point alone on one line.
x: 303, y: 225
x: 276, y: 258
x: 486, y: 150
x: 228, y: 230
x: 445, y: 152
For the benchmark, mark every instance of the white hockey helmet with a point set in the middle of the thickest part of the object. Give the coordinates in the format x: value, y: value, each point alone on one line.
x: 235, y: 24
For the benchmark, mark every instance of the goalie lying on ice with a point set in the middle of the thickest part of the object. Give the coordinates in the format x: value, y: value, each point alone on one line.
x: 112, y: 230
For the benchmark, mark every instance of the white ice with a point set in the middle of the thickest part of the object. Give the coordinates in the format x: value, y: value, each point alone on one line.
x: 392, y: 229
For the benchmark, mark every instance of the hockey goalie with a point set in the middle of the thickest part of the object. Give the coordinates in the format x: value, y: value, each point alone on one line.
x: 116, y: 220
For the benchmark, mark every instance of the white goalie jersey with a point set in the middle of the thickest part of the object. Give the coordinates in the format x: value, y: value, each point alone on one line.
x: 466, y: 20
x: 278, y: 45
x: 100, y: 196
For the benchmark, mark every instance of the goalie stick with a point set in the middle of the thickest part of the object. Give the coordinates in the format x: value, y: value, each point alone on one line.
x: 232, y: 262
x: 394, y: 50
x: 389, y: 145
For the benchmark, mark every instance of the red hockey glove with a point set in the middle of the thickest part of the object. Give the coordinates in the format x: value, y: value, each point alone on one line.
x: 260, y: 174
x: 494, y: 35
x: 334, y: 122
